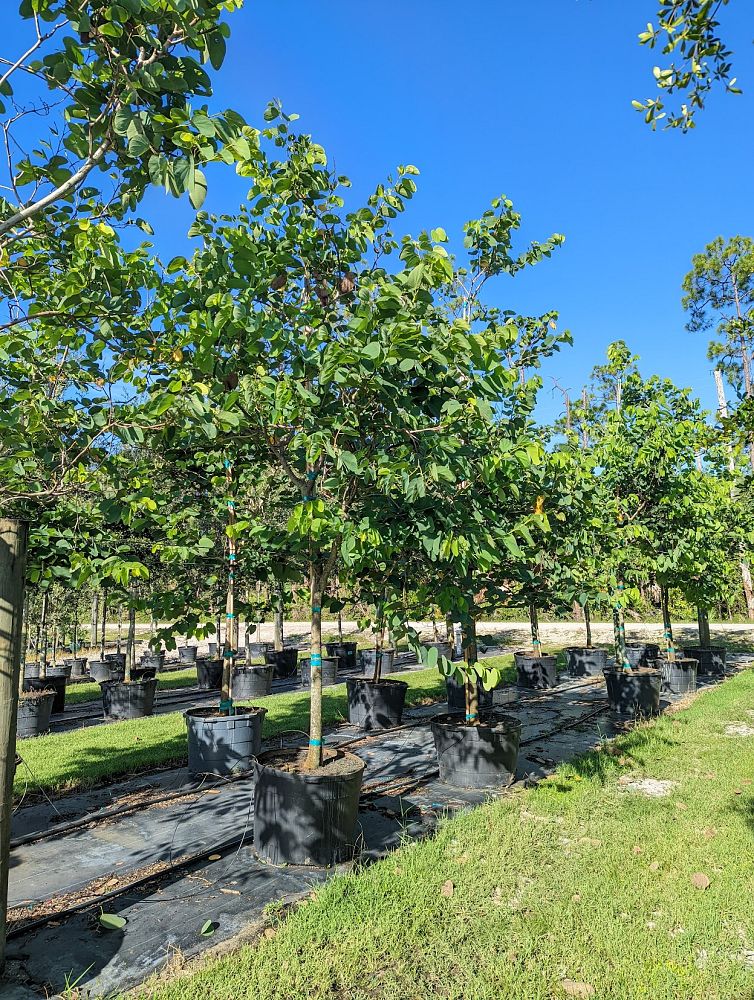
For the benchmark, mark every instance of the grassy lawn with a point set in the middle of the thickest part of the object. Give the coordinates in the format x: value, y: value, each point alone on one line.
x: 578, y: 887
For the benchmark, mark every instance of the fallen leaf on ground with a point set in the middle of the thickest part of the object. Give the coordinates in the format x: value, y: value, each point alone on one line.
x: 655, y: 866
x: 447, y: 889
x: 214, y: 857
x: 681, y: 805
x: 710, y: 832
x: 576, y: 989
x: 270, y: 932
x: 231, y: 892
x: 700, y: 881
x: 636, y: 849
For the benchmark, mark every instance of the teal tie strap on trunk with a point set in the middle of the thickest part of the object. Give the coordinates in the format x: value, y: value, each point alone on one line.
x: 316, y: 659
x: 226, y: 706
x: 315, y: 743
x: 316, y: 609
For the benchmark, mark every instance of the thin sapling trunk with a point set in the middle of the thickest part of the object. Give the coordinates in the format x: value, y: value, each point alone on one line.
x: 226, y: 700
x: 130, y: 643
x: 279, y: 638
x: 314, y: 757
x: 104, y: 625
x: 536, y: 644
x: 667, y: 624
x: 470, y: 686
x: 619, y: 630
x: 94, y: 629
x: 43, y: 629
x: 588, y: 625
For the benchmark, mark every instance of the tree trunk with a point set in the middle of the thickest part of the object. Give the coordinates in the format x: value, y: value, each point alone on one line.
x: 667, y: 624
x: 43, y: 629
x: 619, y: 630
x: 379, y: 642
x: 12, y: 568
x: 119, y: 637
x: 25, y: 637
x: 702, y: 618
x: 588, y: 625
x: 95, y: 622
x: 130, y: 643
x: 55, y: 634
x: 748, y: 589
x: 470, y: 659
x: 278, y: 637
x: 314, y: 758
x: 226, y: 700
x: 104, y: 625
x: 536, y: 645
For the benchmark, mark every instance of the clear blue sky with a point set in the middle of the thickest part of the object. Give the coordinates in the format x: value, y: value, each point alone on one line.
x: 529, y: 99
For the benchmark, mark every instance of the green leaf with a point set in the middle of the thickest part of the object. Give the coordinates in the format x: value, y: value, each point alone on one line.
x: 208, y: 928
x: 371, y: 350
x: 112, y: 922
x: 197, y: 188
x: 439, y: 235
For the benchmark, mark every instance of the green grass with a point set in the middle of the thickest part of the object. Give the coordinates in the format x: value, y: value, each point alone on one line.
x: 577, y: 879
x: 86, y: 757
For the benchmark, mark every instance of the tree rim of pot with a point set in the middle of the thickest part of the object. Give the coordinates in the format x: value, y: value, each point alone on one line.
x: 631, y: 670
x: 489, y: 719
x: 241, y: 712
x: 36, y: 695
x: 311, y: 775
x: 371, y: 682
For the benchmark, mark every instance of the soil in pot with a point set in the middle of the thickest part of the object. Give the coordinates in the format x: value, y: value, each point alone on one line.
x: 133, y: 700
x: 369, y: 660
x: 642, y: 654
x: 345, y: 652
x: 209, y: 674
x: 375, y: 704
x: 34, y: 711
x: 711, y: 659
x: 304, y: 817
x: 187, y: 654
x: 456, y: 696
x: 477, y: 756
x: 251, y: 682
x: 53, y: 682
x: 634, y: 692
x: 283, y: 661
x: 536, y: 670
x: 585, y: 661
x: 223, y: 744
x: 678, y: 676
x: 329, y: 672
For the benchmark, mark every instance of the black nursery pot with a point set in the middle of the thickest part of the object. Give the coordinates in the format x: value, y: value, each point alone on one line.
x: 481, y: 756
x: 387, y: 661
x: 642, y: 654
x: 283, y: 661
x: 53, y: 682
x: 306, y: 817
x: 634, y: 692
x: 329, y: 672
x: 257, y: 649
x: 375, y: 705
x: 251, y: 682
x: 345, y: 651
x: 153, y: 661
x: 134, y: 700
x: 187, y: 654
x: 142, y: 673
x: 711, y: 659
x: 31, y: 669
x: 678, y: 676
x: 585, y: 661
x: 456, y: 696
x: 77, y: 665
x: 209, y: 674
x: 116, y: 659
x: 101, y: 670
x: 223, y: 744
x: 537, y: 671
x: 33, y: 716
